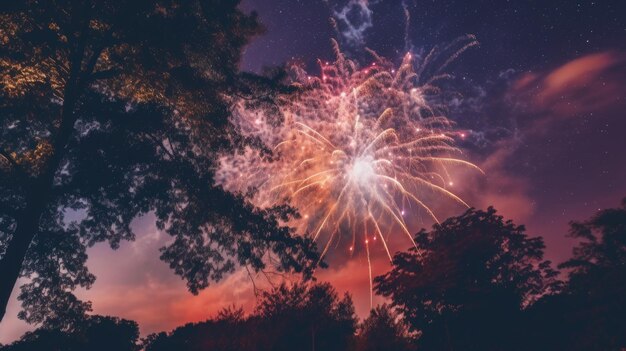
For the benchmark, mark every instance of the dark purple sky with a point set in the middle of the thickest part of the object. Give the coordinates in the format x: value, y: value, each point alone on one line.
x: 542, y: 104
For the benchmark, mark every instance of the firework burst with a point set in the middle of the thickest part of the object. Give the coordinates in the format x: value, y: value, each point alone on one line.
x: 359, y: 148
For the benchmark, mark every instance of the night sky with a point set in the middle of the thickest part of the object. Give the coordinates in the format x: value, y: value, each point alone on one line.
x: 541, y: 100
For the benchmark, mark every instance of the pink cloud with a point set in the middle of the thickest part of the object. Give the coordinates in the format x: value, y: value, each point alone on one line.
x: 589, y: 84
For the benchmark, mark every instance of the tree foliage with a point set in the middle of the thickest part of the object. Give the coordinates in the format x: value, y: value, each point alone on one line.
x: 308, y: 317
x: 602, y: 246
x: 465, y: 285
x: 590, y: 314
x: 289, y: 317
x: 384, y: 329
x: 113, y: 109
x: 97, y: 333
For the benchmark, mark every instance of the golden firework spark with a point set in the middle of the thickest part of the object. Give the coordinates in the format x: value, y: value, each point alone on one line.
x: 358, y: 148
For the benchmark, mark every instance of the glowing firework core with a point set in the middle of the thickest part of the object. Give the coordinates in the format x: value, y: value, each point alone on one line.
x: 362, y: 170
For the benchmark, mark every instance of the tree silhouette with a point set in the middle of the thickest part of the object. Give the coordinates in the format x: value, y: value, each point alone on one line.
x: 598, y: 278
x: 97, y: 333
x: 590, y: 314
x: 308, y: 317
x: 383, y: 330
x: 112, y: 109
x: 289, y: 317
x: 601, y: 253
x: 465, y: 286
x: 229, y: 331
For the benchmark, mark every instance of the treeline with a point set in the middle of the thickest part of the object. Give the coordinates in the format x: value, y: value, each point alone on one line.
x: 476, y: 282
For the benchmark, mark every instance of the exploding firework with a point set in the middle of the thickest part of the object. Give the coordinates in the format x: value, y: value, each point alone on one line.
x: 359, y: 149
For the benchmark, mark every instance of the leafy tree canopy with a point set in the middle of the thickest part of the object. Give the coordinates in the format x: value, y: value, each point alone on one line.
x: 467, y: 281
x: 113, y: 109
x: 602, y: 245
x: 590, y: 313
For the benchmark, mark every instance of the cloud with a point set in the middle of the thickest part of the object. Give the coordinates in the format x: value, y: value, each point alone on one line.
x: 586, y: 85
x: 506, y: 191
x: 579, y: 73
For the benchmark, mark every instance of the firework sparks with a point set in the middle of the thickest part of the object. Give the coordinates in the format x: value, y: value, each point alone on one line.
x: 358, y: 150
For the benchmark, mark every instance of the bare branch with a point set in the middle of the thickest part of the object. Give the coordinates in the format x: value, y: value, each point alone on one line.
x: 256, y: 290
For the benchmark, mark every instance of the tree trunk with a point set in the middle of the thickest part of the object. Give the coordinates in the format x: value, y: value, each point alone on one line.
x: 36, y: 202
x: 40, y: 188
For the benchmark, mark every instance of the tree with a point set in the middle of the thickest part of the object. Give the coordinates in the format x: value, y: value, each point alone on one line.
x: 601, y: 252
x: 301, y: 316
x: 307, y: 317
x: 465, y: 285
x: 590, y: 314
x: 113, y: 109
x: 98, y: 333
x: 597, y: 279
x: 383, y: 330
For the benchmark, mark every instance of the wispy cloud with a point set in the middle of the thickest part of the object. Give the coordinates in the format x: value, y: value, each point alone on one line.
x: 586, y: 85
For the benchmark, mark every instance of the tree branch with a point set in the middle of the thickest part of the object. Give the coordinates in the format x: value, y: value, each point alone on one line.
x: 87, y: 74
x: 161, y: 144
x: 254, y: 287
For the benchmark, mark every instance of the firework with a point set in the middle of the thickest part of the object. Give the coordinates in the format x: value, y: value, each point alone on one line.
x: 357, y: 151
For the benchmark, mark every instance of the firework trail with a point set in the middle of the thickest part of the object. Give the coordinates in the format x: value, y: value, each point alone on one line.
x: 358, y: 149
